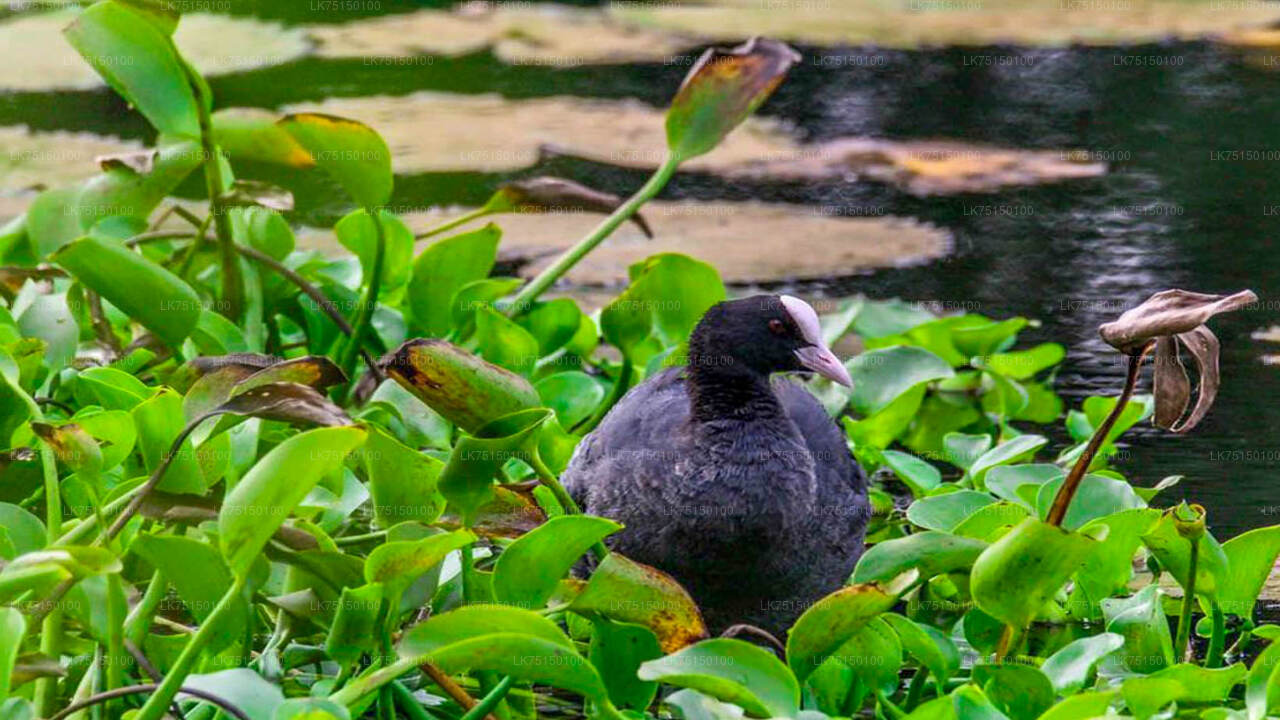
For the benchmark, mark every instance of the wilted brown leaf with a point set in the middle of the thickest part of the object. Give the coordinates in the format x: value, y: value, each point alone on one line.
x: 288, y: 402
x: 1168, y: 312
x: 553, y: 194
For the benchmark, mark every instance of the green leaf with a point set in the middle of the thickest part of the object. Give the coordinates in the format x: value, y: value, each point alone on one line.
x: 311, y: 708
x: 354, y: 630
x: 199, y: 576
x: 933, y: 648
x: 402, y: 481
x: 463, y: 388
x: 1008, y: 482
x: 504, y: 343
x: 1262, y: 686
x: 1182, y: 683
x: 265, y: 230
x: 831, y: 621
x: 356, y: 233
x: 1174, y: 553
x: 628, y: 591
x: 24, y: 530
x: 395, y: 565
x: 1024, y: 364
x: 242, y: 687
x: 918, y: 474
x: 1020, y: 572
x: 139, y: 62
x: 617, y: 652
x: 669, y: 293
x: 110, y: 388
x: 126, y: 196
x: 504, y: 639
x: 467, y: 479
x: 731, y: 671
x: 143, y: 290
x: 268, y: 493
x: 352, y: 152
x: 963, y: 450
x: 1069, y: 667
x: 721, y: 90
x: 159, y: 420
x: 1098, y: 496
x: 881, y: 376
x: 553, y: 323
x: 252, y: 134
x: 1250, y: 558
x: 933, y: 553
x: 1016, y: 450
x: 528, y: 571
x: 945, y: 511
x: 13, y: 627
x: 573, y: 395
x: 1084, y: 706
x: 1020, y: 692
x: 1148, y: 645
x: 1108, y: 571
x: 444, y: 268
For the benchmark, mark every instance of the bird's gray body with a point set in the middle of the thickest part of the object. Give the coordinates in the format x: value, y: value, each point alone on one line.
x: 758, y: 515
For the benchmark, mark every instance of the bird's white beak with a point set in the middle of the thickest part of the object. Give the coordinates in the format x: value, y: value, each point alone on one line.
x: 821, y: 360
x: 817, y: 356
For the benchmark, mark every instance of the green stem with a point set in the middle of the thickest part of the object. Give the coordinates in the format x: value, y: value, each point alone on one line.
x: 357, y: 539
x: 916, y: 689
x: 365, y: 684
x: 46, y: 689
x: 115, y: 653
x: 545, y: 279
x: 1218, y: 639
x: 488, y: 702
x: 562, y: 496
x: 467, y: 558
x: 451, y: 224
x: 1182, y: 644
x: 620, y: 387
x: 406, y: 703
x: 138, y: 622
x: 364, y: 314
x: 157, y: 703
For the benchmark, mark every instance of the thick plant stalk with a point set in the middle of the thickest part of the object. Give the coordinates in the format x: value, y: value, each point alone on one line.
x: 46, y: 689
x: 1217, y: 638
x: 232, y: 282
x: 1183, y: 642
x: 1062, y: 501
x: 364, y: 314
x: 524, y: 299
x: 155, y: 707
x: 488, y: 702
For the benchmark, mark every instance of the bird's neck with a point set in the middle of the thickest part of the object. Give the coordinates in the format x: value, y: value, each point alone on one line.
x: 727, y: 392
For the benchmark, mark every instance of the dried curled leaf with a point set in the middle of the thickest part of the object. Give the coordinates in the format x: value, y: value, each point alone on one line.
x: 1172, y: 387
x: 246, y: 193
x: 288, y: 402
x: 1168, y: 312
x: 553, y: 194
x: 1203, y: 346
x: 139, y: 162
x: 721, y: 90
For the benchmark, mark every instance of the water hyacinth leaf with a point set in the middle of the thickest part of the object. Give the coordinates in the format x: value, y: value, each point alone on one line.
x: 395, y: 565
x: 1262, y: 686
x: 1098, y: 496
x: 554, y: 323
x: 316, y: 371
x: 947, y: 510
x: 1016, y: 482
x: 351, y: 152
x: 268, y: 493
x: 1025, y: 364
x: 874, y: 653
x: 573, y: 395
x: 831, y: 621
x: 1069, y: 667
x: 880, y: 376
x: 990, y: 522
x: 251, y: 693
x: 509, y: 640
x: 402, y: 481
x: 13, y: 627
x: 311, y: 708
x: 528, y: 571
x: 1250, y: 558
x: 25, y: 531
x: 617, y: 651
x: 252, y: 134
x: 1174, y: 553
x: 256, y: 193
x: 156, y: 298
x: 199, y: 576
x: 504, y: 343
x: 287, y: 402
x: 962, y: 449
x: 935, y: 651
x: 159, y: 421
x: 669, y: 293
x: 354, y: 629
x: 1015, y: 450
x: 463, y: 388
x: 932, y: 553
x: 264, y: 230
x: 731, y: 671
x: 918, y: 474
x: 554, y: 194
x: 1168, y: 312
x: 467, y: 479
x: 1020, y: 692
x: 72, y: 446
x: 1083, y: 706
x: 357, y: 233
x: 1109, y: 570
x: 880, y: 429
x: 1014, y: 577
x: 722, y: 88
x: 443, y: 268
x: 123, y: 195
x: 1148, y: 644
x: 631, y: 592
x: 1182, y: 683
x: 110, y: 388
x: 138, y: 61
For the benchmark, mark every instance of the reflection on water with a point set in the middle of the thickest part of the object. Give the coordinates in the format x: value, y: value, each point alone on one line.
x: 1191, y: 201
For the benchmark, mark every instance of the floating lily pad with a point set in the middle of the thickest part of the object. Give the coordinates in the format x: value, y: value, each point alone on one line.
x: 31, y: 159
x: 441, y: 132
x: 952, y: 22
x: 521, y: 33
x: 35, y: 56
x: 747, y: 242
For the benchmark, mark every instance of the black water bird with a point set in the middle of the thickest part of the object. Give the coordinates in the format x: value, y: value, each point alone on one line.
x: 736, y: 483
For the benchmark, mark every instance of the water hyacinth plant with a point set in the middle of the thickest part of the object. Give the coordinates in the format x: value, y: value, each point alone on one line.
x: 240, y: 478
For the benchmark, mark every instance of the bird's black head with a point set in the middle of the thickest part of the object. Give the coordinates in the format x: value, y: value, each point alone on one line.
x: 760, y: 335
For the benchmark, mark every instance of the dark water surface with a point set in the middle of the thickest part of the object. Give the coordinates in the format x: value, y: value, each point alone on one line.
x: 1192, y: 199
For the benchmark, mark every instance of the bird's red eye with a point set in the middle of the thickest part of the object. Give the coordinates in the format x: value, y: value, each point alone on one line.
x: 777, y: 327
